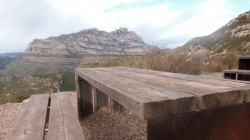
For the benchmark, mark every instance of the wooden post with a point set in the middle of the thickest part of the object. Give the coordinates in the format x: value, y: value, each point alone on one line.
x: 118, y: 107
x: 94, y: 98
x: 102, y: 99
x: 84, y: 97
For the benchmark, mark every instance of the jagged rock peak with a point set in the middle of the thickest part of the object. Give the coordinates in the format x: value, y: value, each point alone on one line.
x: 87, y: 30
x: 89, y: 42
x: 121, y: 30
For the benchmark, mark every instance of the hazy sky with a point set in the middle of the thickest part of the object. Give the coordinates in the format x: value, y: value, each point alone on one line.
x: 176, y: 21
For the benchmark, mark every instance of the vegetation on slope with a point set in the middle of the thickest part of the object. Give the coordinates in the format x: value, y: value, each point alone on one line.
x: 233, y: 37
x: 18, y: 89
x: 162, y: 60
x: 4, y: 61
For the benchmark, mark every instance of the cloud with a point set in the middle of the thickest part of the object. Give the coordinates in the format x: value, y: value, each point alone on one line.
x: 211, y: 16
x: 174, y: 21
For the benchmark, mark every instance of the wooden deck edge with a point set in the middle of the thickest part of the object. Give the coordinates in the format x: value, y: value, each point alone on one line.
x: 168, y: 107
x: 230, y: 98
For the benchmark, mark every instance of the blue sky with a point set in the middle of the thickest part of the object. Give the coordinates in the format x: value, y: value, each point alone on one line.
x: 166, y: 22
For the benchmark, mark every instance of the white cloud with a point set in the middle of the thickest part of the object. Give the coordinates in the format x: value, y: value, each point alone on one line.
x: 25, y: 20
x: 212, y: 15
x: 92, y: 13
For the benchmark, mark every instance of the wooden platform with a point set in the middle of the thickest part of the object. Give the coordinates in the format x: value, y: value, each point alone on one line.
x: 243, y: 71
x: 56, y: 111
x: 151, y: 94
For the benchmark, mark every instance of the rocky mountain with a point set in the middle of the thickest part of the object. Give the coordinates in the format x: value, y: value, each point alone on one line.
x: 233, y: 37
x: 86, y: 46
x: 66, y: 52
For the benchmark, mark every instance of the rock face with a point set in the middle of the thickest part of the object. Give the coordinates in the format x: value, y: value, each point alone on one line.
x: 88, y: 42
x: 86, y: 46
x: 233, y: 37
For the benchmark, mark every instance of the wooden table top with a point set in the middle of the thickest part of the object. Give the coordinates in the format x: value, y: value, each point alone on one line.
x: 150, y: 94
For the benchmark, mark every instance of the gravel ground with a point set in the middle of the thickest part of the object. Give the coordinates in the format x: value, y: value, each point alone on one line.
x: 9, y: 113
x: 107, y: 124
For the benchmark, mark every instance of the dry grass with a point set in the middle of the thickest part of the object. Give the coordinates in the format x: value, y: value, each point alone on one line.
x: 162, y: 60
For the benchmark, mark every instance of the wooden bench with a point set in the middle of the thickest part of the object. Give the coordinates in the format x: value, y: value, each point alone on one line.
x: 243, y: 71
x: 31, y: 124
x: 175, y: 106
x: 237, y: 74
x: 61, y: 119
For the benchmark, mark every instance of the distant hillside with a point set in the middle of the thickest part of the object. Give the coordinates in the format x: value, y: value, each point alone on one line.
x: 4, y: 61
x: 233, y: 37
x: 12, y: 54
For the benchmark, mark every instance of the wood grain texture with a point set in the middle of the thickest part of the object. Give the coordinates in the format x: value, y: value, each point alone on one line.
x: 31, y: 124
x: 187, y: 77
x: 63, y: 121
x: 207, y: 95
x: 143, y: 99
x: 241, y: 86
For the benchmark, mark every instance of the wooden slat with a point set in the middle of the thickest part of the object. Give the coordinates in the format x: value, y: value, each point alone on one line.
x: 208, y: 95
x: 144, y: 100
x: 187, y: 77
x: 247, y: 72
x: 241, y: 86
x: 244, y: 57
x: 63, y: 121
x: 31, y: 124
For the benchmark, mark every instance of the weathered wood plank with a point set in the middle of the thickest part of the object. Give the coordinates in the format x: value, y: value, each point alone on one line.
x: 208, y: 95
x: 63, y: 122
x: 31, y: 124
x: 241, y: 86
x: 246, y: 72
x: 144, y: 100
x: 187, y: 77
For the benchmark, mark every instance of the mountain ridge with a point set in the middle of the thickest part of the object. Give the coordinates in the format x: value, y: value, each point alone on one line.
x: 90, y: 41
x: 68, y: 51
x: 232, y: 37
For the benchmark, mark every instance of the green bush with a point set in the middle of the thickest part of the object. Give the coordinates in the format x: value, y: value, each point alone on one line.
x: 13, y: 98
x: 67, y: 82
